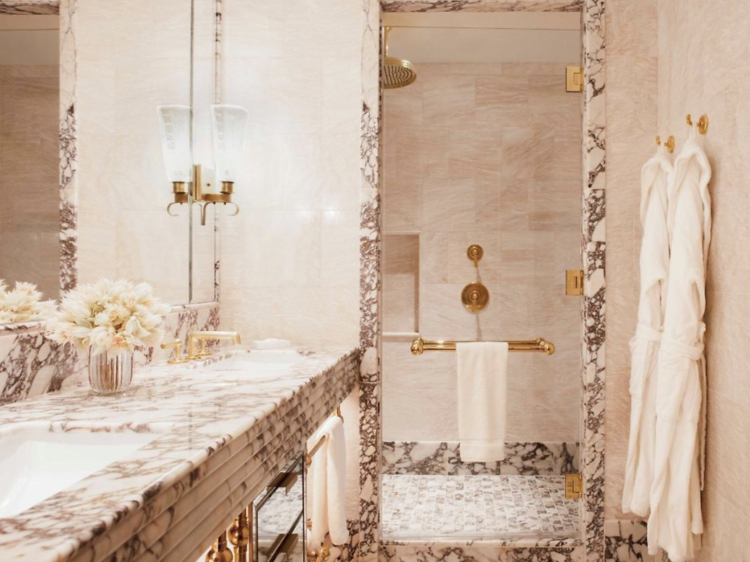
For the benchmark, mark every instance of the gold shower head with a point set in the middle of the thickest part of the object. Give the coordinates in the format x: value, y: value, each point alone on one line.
x: 397, y: 73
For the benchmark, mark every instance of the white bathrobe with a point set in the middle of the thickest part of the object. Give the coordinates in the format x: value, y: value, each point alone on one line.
x: 644, y: 347
x: 676, y: 522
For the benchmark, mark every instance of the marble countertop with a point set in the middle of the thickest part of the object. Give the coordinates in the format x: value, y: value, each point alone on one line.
x: 218, y: 440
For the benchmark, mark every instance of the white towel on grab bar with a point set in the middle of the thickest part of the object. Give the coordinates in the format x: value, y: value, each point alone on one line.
x: 482, y: 400
x: 327, y: 485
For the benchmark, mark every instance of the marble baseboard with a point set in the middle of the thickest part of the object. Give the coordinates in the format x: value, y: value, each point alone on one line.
x: 625, y: 541
x: 474, y: 553
x: 349, y: 551
x: 31, y: 364
x: 443, y: 457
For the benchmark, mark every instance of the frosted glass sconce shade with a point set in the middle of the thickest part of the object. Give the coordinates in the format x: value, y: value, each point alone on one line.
x: 229, y: 124
x: 174, y: 126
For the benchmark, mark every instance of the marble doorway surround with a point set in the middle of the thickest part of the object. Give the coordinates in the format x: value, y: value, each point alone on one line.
x: 592, y: 252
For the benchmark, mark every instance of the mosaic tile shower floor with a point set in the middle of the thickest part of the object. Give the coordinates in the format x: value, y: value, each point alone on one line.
x: 477, y: 507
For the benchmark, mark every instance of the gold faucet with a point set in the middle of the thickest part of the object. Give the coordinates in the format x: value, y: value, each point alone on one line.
x: 203, y: 337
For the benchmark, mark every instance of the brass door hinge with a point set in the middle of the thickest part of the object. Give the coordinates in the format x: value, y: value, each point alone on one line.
x: 573, y: 79
x: 573, y: 486
x: 574, y: 282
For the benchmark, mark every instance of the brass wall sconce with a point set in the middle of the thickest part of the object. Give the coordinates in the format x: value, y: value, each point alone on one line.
x: 192, y: 183
x: 182, y: 192
x: 475, y: 296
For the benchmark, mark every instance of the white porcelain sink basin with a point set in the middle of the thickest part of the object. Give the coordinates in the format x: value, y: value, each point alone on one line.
x: 36, y: 463
x: 258, y: 362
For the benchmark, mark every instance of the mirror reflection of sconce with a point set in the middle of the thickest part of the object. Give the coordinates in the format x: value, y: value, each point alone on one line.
x: 229, y: 127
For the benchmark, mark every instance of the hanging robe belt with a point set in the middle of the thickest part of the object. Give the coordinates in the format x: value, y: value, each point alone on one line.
x: 674, y: 347
x: 694, y: 352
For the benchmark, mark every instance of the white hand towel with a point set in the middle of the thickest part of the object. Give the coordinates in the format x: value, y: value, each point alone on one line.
x: 271, y: 343
x: 482, y: 397
x: 327, y: 483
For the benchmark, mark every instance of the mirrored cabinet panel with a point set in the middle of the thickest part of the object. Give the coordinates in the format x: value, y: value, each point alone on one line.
x: 29, y: 165
x: 279, y: 520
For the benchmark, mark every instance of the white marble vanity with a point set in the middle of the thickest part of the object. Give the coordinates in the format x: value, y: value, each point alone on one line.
x: 158, y: 471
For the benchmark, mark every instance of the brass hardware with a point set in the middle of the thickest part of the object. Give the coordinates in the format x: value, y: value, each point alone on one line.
x: 669, y: 145
x: 475, y: 253
x: 574, y: 282
x: 224, y: 196
x: 239, y: 536
x: 285, y: 480
x: 321, y: 554
x: 219, y: 552
x: 250, y: 554
x: 702, y: 123
x: 419, y: 346
x: 573, y: 486
x: 195, y: 337
x: 319, y: 443
x: 176, y: 347
x: 475, y: 297
x: 396, y: 72
x: 180, y: 194
x: 315, y: 448
x: 573, y: 79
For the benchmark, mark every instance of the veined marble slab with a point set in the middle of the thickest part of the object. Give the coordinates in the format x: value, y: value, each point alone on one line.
x: 444, y: 457
x: 219, y: 441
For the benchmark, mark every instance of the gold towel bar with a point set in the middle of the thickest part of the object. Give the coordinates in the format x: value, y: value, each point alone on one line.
x: 319, y: 443
x: 419, y: 346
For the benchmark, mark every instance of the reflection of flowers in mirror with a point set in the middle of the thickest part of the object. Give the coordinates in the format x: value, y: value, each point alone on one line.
x: 23, y: 303
x: 109, y: 316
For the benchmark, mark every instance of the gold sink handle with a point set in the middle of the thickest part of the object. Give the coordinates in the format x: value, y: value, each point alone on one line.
x: 176, y: 347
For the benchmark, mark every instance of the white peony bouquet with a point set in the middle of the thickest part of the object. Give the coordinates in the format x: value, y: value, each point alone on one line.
x: 109, y: 316
x: 23, y: 303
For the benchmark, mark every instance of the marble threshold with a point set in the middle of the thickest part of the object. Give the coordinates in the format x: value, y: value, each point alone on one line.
x: 220, y: 438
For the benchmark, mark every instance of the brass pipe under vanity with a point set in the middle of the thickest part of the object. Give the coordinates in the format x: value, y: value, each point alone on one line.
x: 239, y: 535
x: 419, y: 346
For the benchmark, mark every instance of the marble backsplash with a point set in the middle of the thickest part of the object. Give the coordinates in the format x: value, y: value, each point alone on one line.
x: 31, y: 364
x: 443, y: 457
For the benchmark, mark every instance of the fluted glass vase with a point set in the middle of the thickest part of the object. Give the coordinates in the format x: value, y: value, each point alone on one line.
x: 110, y: 372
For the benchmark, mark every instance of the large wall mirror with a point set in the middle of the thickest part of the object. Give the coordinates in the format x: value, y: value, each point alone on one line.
x: 144, y: 90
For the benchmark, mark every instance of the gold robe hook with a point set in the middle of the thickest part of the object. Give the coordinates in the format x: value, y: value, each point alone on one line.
x: 702, y: 123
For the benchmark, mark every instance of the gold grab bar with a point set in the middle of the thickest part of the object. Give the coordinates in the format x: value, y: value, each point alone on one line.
x: 319, y: 443
x: 419, y: 346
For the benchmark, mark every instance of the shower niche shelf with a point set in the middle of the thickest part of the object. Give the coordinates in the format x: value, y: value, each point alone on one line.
x: 400, y: 283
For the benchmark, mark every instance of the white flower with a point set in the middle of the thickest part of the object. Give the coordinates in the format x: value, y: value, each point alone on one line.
x: 23, y: 304
x: 108, y: 316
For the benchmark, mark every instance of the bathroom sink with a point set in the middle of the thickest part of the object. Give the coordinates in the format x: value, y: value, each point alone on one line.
x: 257, y: 362
x: 37, y: 463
